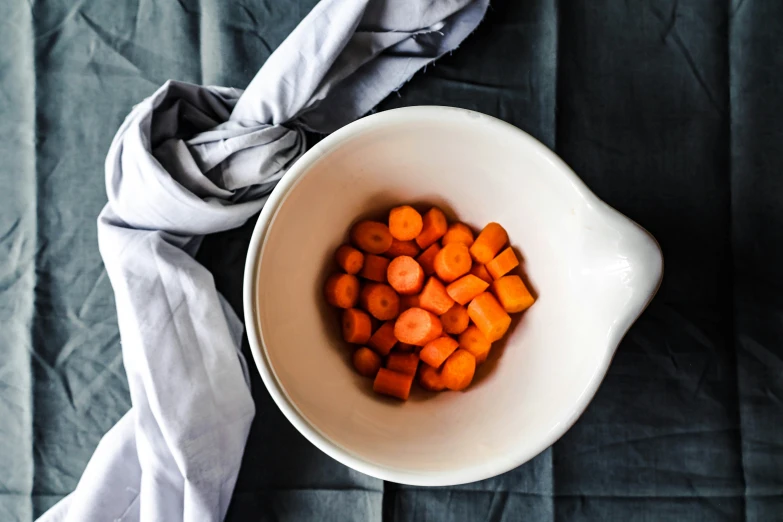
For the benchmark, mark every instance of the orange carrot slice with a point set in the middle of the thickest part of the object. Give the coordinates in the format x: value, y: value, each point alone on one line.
x: 406, y: 363
x: 383, y: 340
x: 402, y: 248
x: 434, y: 226
x: 430, y: 378
x: 488, y: 243
x: 427, y: 259
x: 417, y: 326
x: 464, y: 289
x: 405, y: 223
x: 474, y: 342
x: 349, y: 259
x: 434, y: 297
x: 455, y: 320
x: 409, y: 301
x: 503, y: 263
x: 394, y: 384
x: 487, y: 314
x: 342, y: 290
x: 458, y: 233
x: 480, y: 271
x: 357, y: 327
x: 452, y: 262
x: 371, y: 236
x: 405, y: 275
x: 380, y: 300
x: 366, y: 362
x: 512, y: 294
x: 458, y: 370
x: 374, y: 268
x: 438, y: 350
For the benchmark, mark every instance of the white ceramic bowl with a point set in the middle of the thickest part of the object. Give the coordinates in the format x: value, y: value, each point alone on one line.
x: 593, y: 270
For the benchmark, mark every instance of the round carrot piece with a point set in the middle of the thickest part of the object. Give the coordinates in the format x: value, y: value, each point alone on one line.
x: 487, y: 314
x: 452, y: 262
x: 474, y: 341
x: 427, y: 259
x: 488, y: 243
x: 402, y: 248
x: 434, y: 226
x: 458, y: 370
x: 342, y: 290
x: 464, y: 289
x: 357, y: 327
x: 503, y: 263
x: 417, y: 326
x: 430, y: 378
x: 455, y: 320
x: 371, y: 236
x: 366, y: 362
x: 405, y: 223
x: 406, y: 363
x: 458, y: 233
x: 480, y: 271
x: 383, y: 340
x: 381, y: 301
x: 438, y: 350
x: 374, y: 268
x: 349, y: 259
x: 512, y: 294
x: 434, y: 298
x: 405, y: 275
x: 394, y: 384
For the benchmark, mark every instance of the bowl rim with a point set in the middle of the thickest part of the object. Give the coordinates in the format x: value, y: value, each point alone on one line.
x: 343, y: 455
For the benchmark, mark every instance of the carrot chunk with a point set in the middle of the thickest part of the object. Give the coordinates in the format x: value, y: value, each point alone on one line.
x: 342, y: 290
x: 366, y: 362
x: 371, y: 236
x: 375, y: 268
x: 417, y: 326
x: 452, y: 262
x: 503, y: 263
x: 434, y: 226
x: 427, y: 259
x: 380, y: 300
x: 488, y: 243
x: 394, y: 384
x: 512, y: 293
x: 357, y: 327
x: 383, y: 340
x: 438, y: 350
x: 405, y: 275
x: 474, y: 342
x: 458, y: 370
x: 405, y: 223
x: 487, y: 314
x: 464, y: 289
x: 402, y: 248
x: 458, y: 233
x: 434, y: 297
x: 349, y: 259
x: 480, y: 271
x: 406, y: 363
x: 455, y: 320
x: 430, y: 378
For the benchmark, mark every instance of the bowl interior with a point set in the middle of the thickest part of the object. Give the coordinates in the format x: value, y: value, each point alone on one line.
x: 592, y: 270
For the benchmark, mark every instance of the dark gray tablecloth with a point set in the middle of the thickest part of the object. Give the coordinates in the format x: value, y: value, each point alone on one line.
x: 669, y: 110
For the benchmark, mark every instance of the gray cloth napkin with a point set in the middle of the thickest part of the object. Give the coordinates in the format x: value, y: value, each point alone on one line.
x: 192, y: 160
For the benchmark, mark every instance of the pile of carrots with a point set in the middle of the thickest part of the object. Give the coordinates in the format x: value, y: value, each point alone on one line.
x: 420, y: 296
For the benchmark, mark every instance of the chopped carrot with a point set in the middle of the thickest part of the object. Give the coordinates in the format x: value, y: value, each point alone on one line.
x: 417, y: 326
x: 464, y: 289
x: 374, y: 268
x: 402, y: 248
x: 408, y: 301
x: 366, y: 362
x: 405, y: 275
x: 512, y: 293
x: 357, y: 327
x: 427, y: 259
x: 458, y: 233
x: 434, y: 297
x: 488, y: 243
x: 383, y: 340
x: 342, y: 290
x: 380, y: 300
x: 452, y: 262
x: 371, y: 236
x: 430, y: 378
x: 503, y: 263
x: 406, y: 363
x: 474, y: 341
x: 480, y: 271
x: 394, y: 384
x: 349, y: 259
x: 438, y: 350
x: 487, y: 314
x: 402, y: 347
x: 405, y: 223
x: 455, y: 320
x: 434, y: 226
x: 458, y: 370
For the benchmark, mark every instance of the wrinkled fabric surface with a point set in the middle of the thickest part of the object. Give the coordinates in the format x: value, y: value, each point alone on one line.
x: 669, y: 110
